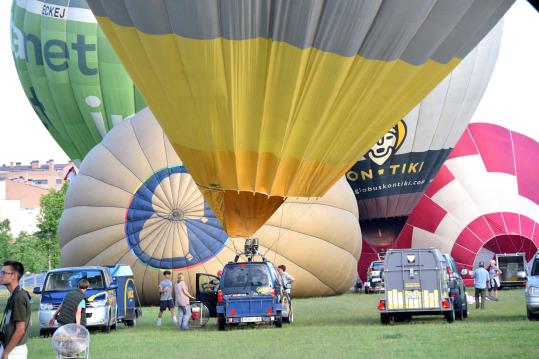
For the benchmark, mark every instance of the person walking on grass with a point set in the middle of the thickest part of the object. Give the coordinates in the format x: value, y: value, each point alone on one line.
x: 182, y: 296
x: 16, y: 319
x: 73, y: 307
x: 165, y: 298
x: 480, y: 277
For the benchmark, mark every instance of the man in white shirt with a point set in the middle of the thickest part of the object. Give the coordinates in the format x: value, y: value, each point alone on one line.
x: 287, y: 278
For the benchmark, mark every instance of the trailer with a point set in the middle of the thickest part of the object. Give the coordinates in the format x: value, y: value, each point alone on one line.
x: 417, y: 282
x: 511, y: 264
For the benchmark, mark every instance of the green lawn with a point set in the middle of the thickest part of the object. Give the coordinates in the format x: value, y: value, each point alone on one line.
x: 338, y: 327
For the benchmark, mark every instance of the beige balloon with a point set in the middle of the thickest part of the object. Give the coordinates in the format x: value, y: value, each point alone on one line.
x: 319, y: 240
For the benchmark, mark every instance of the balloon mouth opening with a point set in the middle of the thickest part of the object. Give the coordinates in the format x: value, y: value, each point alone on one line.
x: 176, y: 215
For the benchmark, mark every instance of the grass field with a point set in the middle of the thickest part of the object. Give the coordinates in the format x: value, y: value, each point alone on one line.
x: 338, y: 327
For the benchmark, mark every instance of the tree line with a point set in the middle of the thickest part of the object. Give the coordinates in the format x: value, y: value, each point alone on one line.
x: 38, y: 251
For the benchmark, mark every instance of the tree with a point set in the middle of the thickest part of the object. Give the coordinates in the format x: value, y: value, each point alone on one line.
x: 26, y: 249
x: 52, y: 206
x: 5, y: 238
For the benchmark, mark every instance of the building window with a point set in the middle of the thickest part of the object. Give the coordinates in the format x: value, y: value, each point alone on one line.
x: 41, y: 181
x: 59, y: 181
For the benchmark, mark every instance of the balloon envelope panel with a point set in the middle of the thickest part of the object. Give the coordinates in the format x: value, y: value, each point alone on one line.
x: 390, y: 179
x: 69, y: 72
x: 134, y: 202
x: 280, y: 98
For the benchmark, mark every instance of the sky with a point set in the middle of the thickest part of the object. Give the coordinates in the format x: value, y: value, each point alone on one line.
x: 510, y: 100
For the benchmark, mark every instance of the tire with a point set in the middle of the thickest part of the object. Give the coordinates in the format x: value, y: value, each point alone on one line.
x: 457, y: 305
x: 465, y: 312
x: 44, y: 332
x: 131, y: 323
x: 279, y: 319
x: 450, y: 316
x: 384, y: 318
x: 221, y: 322
x: 530, y: 315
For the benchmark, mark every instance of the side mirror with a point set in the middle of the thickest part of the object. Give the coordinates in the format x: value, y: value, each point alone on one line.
x: 113, y: 286
x: 521, y: 275
x: 37, y: 290
x: 288, y: 285
x: 464, y: 271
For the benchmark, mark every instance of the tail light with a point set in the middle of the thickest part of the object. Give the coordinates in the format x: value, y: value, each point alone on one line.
x: 453, y: 295
x: 449, y: 271
x: 269, y: 310
x: 219, y: 295
x: 272, y: 292
x: 445, y: 303
x: 382, y: 305
x: 232, y: 312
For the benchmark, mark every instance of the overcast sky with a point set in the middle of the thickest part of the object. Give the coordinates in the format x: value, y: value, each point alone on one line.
x: 510, y: 100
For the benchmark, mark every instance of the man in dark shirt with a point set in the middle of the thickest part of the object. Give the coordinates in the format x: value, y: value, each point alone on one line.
x: 73, y: 307
x: 17, y: 313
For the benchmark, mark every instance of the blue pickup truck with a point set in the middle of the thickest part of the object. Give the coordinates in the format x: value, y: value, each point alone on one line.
x: 111, y: 296
x: 248, y: 292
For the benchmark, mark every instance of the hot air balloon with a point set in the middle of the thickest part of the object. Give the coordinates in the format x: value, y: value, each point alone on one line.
x: 70, y: 74
x: 484, y: 200
x: 268, y: 99
x: 391, y: 178
x: 133, y: 202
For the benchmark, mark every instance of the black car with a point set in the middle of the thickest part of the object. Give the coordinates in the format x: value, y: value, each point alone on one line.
x: 457, y: 289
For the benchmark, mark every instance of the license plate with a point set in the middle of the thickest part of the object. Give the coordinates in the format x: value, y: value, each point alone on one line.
x: 251, y: 319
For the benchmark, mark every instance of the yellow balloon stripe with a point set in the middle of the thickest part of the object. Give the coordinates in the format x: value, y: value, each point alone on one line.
x: 266, y: 116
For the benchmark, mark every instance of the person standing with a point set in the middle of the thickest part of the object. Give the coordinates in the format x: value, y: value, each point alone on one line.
x: 182, y: 301
x: 165, y: 298
x: 480, y: 276
x: 73, y: 307
x: 494, y: 274
x: 17, y: 312
x: 287, y: 278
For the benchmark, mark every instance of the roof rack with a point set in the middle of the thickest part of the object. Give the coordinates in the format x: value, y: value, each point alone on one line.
x: 250, y: 250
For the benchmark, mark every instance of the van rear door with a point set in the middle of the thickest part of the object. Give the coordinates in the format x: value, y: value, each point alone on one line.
x: 206, y: 291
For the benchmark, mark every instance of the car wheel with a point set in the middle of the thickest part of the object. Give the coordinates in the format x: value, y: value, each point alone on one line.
x: 131, y: 323
x: 384, y: 318
x: 530, y: 315
x: 450, y: 316
x: 458, y: 308
x: 278, y: 319
x: 221, y: 322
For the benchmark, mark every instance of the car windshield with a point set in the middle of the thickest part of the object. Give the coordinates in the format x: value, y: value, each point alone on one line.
x: 535, y: 268
x: 246, y: 276
x: 67, y: 280
x: 377, y: 266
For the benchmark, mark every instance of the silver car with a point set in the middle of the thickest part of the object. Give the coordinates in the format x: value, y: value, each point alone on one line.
x: 532, y: 290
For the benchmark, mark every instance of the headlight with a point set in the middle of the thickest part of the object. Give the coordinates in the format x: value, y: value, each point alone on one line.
x: 99, y: 303
x: 533, y: 291
x: 45, y: 306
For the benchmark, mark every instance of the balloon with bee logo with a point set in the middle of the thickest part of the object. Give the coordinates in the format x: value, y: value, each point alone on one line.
x: 69, y: 72
x: 134, y: 202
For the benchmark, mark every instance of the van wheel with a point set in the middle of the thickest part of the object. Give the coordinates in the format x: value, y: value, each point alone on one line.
x: 450, y: 316
x: 131, y: 323
x: 221, y: 322
x: 384, y: 318
x: 530, y: 315
x: 278, y: 319
x: 457, y: 305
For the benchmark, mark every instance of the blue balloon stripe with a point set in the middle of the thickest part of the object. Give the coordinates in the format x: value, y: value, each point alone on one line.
x: 205, y: 239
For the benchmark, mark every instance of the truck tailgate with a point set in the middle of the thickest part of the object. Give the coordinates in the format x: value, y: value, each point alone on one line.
x: 249, y: 306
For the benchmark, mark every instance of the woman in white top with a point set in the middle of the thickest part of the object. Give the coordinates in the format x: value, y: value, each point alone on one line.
x: 182, y: 296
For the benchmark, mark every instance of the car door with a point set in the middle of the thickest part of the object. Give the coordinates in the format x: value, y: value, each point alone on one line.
x: 207, y: 286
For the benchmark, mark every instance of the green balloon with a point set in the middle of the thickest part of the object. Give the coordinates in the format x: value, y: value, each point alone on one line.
x: 70, y: 73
